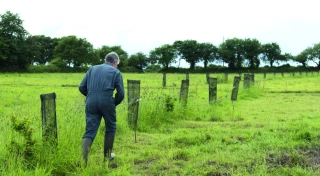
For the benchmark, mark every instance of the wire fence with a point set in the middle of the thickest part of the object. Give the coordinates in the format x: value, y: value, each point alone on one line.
x: 146, y: 101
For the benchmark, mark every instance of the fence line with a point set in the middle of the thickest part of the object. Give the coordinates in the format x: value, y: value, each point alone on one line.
x: 157, y: 102
x: 144, y: 102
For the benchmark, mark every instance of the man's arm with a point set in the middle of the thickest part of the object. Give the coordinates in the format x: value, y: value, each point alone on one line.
x: 119, y: 96
x: 83, y: 85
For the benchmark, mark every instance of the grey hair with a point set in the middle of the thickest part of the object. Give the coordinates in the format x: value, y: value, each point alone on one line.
x: 112, y: 57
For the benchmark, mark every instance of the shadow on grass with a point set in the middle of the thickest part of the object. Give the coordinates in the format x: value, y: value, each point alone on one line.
x: 303, y: 157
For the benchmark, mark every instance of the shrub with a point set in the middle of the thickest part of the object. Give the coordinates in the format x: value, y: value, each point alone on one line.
x: 23, y: 128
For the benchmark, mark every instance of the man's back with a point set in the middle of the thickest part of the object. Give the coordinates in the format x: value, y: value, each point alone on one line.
x: 102, y: 78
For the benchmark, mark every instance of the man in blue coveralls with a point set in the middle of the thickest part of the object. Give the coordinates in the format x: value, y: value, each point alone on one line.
x: 98, y: 85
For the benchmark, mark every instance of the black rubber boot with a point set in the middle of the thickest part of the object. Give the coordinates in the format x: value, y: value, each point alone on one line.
x: 86, y: 144
x: 108, y: 145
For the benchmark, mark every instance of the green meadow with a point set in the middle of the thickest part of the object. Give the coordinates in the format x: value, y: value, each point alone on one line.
x: 272, y: 128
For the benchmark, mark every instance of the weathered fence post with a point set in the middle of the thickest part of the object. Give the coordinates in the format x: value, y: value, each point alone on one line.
x: 282, y: 74
x: 240, y: 75
x: 164, y: 79
x: 133, y: 104
x: 246, y: 82
x: 49, y: 119
x: 212, y: 89
x: 235, y: 88
x: 184, y: 92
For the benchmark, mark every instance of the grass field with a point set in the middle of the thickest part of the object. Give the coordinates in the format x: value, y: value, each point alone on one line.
x: 272, y: 129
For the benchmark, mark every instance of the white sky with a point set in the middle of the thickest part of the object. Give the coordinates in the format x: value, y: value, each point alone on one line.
x: 142, y: 25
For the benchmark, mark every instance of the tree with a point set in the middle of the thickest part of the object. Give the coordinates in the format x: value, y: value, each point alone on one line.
x: 13, y: 45
x: 208, y: 53
x: 232, y: 52
x: 314, y: 56
x: 188, y: 50
x: 58, y: 62
x: 41, y: 48
x: 123, y: 55
x: 138, y: 60
x: 164, y: 55
x: 302, y: 57
x: 4, y: 52
x: 284, y: 58
x: 75, y: 51
x: 271, y: 52
x: 252, y: 50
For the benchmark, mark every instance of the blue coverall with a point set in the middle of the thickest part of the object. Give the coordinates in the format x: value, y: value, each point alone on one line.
x: 98, y: 85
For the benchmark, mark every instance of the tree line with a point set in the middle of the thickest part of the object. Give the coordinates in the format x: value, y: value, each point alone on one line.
x: 20, y: 51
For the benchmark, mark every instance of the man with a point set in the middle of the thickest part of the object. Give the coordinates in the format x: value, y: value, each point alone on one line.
x: 98, y: 85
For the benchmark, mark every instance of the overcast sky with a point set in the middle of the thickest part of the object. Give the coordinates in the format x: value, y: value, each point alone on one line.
x: 142, y: 25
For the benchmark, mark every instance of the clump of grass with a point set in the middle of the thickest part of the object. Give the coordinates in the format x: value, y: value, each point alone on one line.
x: 304, y: 135
x: 181, y: 155
x: 169, y: 102
x: 289, y: 158
x: 251, y: 93
x: 216, y: 119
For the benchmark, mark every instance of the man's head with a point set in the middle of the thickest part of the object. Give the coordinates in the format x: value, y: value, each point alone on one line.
x: 112, y: 58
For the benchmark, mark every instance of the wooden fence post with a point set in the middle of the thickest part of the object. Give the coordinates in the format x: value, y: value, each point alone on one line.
x: 235, y: 88
x: 184, y: 92
x: 212, y: 89
x: 133, y: 103
x: 49, y: 119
